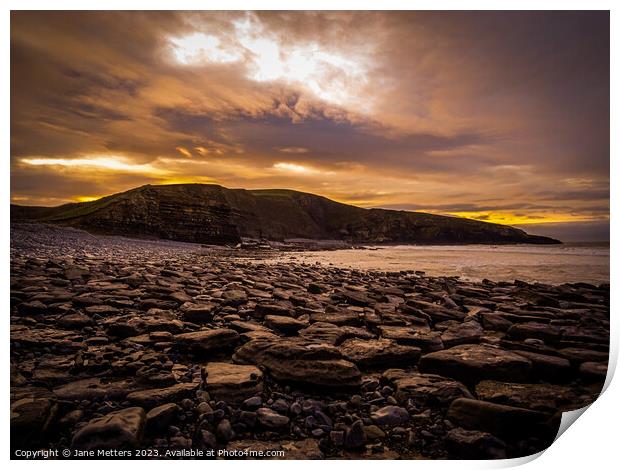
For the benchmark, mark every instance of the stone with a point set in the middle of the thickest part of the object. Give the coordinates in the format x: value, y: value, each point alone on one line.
x: 224, y: 431
x: 426, y: 389
x: 540, y: 397
x: 301, y: 362
x: 500, y: 420
x: 197, y: 313
x: 427, y: 341
x: 120, y: 430
x: 31, y: 419
x: 462, y: 333
x: 355, y: 437
x: 379, y: 352
x: 548, y: 368
x: 162, y: 416
x: 270, y: 419
x: 548, y: 333
x: 593, y: 371
x: 232, y: 382
x: 467, y: 444
x: 390, y: 415
x: 157, y: 396
x: 32, y: 308
x: 474, y: 362
x: 205, y: 341
x: 329, y: 333
x: 95, y: 389
x: 373, y: 433
x: 286, y: 325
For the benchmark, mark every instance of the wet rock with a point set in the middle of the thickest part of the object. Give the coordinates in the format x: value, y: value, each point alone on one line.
x: 232, y: 382
x: 471, y: 363
x: 117, y: 430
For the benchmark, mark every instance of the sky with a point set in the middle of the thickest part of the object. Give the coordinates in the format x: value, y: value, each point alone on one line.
x: 498, y: 116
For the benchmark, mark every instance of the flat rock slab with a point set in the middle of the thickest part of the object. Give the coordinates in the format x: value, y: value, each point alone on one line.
x: 95, y: 389
x: 427, y: 341
x: 300, y: 361
x: 158, y: 396
x: 426, y: 389
x: 463, y: 333
x: 31, y: 419
x: 540, y: 397
x: 474, y: 362
x: 379, y: 352
x: 197, y: 313
x: 286, y: 325
x: 307, y: 449
x: 500, y: 420
x: 548, y: 368
x: 121, y: 430
x: 329, y: 333
x: 232, y: 382
x: 205, y: 341
x: 468, y: 444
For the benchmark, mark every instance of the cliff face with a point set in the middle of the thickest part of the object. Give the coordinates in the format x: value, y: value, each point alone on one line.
x: 213, y: 214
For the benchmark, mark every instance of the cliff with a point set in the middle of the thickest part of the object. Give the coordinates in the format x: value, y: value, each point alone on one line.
x: 205, y: 213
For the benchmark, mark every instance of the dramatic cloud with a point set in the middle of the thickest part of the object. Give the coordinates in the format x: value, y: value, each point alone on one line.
x: 499, y: 116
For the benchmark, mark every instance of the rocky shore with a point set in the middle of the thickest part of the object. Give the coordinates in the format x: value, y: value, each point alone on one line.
x: 177, y: 349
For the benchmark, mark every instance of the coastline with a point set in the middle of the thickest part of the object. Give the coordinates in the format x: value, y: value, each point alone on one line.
x: 131, y: 343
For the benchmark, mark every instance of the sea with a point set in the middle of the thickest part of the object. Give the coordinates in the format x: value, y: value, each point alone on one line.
x: 549, y: 264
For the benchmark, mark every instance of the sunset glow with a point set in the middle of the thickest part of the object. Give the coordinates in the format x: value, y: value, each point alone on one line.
x: 404, y: 110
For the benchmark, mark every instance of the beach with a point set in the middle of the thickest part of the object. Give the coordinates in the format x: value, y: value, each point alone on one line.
x: 177, y: 349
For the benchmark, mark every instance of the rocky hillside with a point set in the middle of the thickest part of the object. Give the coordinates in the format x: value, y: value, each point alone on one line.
x: 205, y: 213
